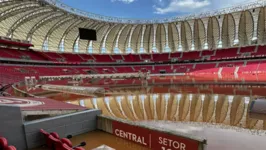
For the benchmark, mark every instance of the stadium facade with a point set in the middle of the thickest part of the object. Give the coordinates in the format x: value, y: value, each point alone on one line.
x: 51, y: 25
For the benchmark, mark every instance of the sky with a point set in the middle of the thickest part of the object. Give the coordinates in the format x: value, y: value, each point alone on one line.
x: 150, y: 9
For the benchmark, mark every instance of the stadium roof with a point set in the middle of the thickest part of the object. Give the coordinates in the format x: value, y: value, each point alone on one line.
x: 51, y: 25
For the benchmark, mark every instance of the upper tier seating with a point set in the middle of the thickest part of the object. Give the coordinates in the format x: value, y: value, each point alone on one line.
x: 220, y: 54
x: 160, y: 57
x: 103, y: 58
x: 117, y: 57
x: 191, y: 56
x: 145, y: 57
x: 175, y: 55
x: 207, y: 53
x: 225, y: 54
x: 52, y: 56
x: 33, y: 55
x: 132, y: 58
x: 21, y: 54
x: 71, y: 57
x: 248, y: 49
x: 86, y: 57
x: 14, y: 42
x: 5, y: 53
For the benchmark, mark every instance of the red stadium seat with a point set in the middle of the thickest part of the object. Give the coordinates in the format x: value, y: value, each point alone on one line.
x: 10, y: 148
x: 3, y: 143
x: 55, y: 135
x: 44, y: 132
x: 67, y: 142
x: 53, y: 141
x: 46, y: 135
x: 56, y: 143
x: 48, y: 140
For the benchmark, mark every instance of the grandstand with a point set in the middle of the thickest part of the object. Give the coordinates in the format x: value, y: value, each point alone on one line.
x: 140, y: 78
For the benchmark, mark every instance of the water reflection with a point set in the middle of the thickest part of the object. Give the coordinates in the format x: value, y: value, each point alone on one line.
x: 185, y: 107
x: 245, y: 90
x: 226, y: 105
x: 217, y: 112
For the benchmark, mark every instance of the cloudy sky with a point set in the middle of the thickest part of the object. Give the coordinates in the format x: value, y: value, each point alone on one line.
x: 148, y: 9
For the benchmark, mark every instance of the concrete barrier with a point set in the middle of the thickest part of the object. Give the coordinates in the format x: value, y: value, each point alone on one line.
x: 70, y: 124
x: 150, y: 137
x: 11, y: 126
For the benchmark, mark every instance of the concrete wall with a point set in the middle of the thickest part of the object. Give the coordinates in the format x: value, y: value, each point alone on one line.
x: 74, y: 124
x: 11, y: 126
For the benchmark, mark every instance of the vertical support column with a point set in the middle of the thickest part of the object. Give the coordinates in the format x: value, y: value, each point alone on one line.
x: 166, y: 37
x: 255, y: 16
x: 118, y: 100
x: 94, y: 103
x: 200, y: 119
x: 154, y: 98
x: 130, y: 99
x: 178, y: 26
x: 178, y: 98
x: 230, y: 100
x: 90, y: 44
x: 130, y: 36
x: 215, y: 97
x: 105, y: 37
x: 142, y: 99
x: 191, y: 24
x: 236, y: 16
x: 107, y: 103
x: 166, y: 99
x: 190, y: 98
x: 220, y: 21
x: 205, y: 23
x: 142, y: 36
x: 154, y: 37
x: 119, y: 33
x: 242, y: 122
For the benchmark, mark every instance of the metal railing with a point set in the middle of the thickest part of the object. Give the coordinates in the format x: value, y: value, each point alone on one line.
x: 236, y: 8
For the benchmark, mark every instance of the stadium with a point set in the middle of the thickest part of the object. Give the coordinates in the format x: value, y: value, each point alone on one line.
x: 75, y: 80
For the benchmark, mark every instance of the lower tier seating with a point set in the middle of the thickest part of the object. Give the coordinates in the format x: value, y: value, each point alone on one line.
x: 15, y: 73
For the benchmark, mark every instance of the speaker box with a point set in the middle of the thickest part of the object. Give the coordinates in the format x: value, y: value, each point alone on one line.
x: 87, y: 34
